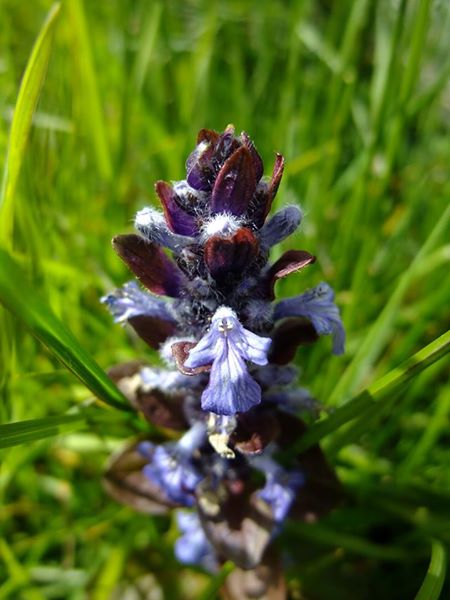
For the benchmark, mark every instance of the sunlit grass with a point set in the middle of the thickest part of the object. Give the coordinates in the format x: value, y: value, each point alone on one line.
x: 355, y: 94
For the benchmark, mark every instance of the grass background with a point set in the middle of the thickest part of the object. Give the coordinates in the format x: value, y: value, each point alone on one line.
x: 356, y: 95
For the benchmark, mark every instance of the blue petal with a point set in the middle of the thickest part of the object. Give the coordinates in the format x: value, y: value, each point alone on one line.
x: 318, y: 306
x: 280, y: 491
x: 227, y: 345
x: 193, y: 547
x: 172, y: 472
x: 130, y: 301
x: 230, y: 389
x: 205, y: 351
x: 254, y: 348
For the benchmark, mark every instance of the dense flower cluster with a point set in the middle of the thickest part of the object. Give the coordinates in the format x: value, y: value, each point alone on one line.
x: 226, y: 345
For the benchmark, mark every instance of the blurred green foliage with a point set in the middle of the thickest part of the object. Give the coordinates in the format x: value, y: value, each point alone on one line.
x: 356, y: 95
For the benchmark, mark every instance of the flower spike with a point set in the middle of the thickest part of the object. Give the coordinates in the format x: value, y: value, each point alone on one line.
x: 227, y: 391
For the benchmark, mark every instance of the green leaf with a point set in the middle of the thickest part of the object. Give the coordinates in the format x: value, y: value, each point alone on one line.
x: 19, y: 297
x: 14, y: 434
x: 434, y: 579
x: 27, y: 100
x: 387, y: 385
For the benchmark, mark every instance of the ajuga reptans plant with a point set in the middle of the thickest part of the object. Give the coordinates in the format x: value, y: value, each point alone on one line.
x: 207, y: 303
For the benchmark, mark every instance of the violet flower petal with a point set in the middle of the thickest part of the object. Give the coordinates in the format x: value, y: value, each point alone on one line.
x: 227, y: 345
x: 172, y: 471
x: 317, y: 305
x: 230, y: 389
x: 281, y: 486
x: 280, y: 491
x: 193, y: 547
x: 130, y: 301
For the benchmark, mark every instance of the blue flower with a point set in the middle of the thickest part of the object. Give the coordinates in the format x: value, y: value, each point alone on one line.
x: 280, y: 491
x: 130, y: 301
x: 226, y: 346
x: 317, y: 305
x: 193, y: 547
x: 171, y: 466
x: 281, y: 486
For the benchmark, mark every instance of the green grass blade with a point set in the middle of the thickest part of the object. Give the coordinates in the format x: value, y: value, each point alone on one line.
x: 32, y: 425
x: 392, y: 381
x: 386, y: 47
x: 380, y: 331
x: 17, y: 585
x: 434, y: 579
x: 417, y: 48
x: 437, y: 426
x: 14, y: 434
x: 92, y: 106
x: 31, y: 310
x: 147, y: 44
x: 323, y: 535
x: 27, y: 100
x: 110, y: 573
x: 368, y: 418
